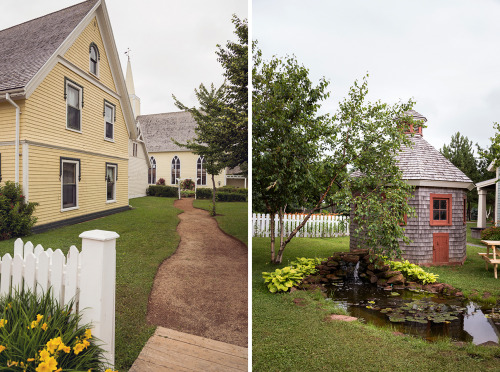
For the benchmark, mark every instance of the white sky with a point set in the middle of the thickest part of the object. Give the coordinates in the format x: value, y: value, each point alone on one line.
x: 172, y: 42
x: 445, y: 54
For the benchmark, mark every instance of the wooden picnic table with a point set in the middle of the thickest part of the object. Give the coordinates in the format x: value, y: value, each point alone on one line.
x: 491, y: 258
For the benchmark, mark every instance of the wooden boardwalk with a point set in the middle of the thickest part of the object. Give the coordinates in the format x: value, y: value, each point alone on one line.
x: 169, y: 350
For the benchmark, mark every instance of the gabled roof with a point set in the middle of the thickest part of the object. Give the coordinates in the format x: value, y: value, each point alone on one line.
x: 422, y: 161
x: 26, y: 47
x: 159, y: 129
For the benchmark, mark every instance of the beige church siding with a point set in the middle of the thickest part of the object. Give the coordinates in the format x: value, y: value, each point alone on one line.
x: 45, y: 183
x: 188, y: 167
x: 78, y: 53
x: 45, y: 116
x: 138, y: 172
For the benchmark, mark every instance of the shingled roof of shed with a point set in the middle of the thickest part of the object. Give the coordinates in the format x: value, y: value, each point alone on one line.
x: 159, y: 129
x: 26, y: 47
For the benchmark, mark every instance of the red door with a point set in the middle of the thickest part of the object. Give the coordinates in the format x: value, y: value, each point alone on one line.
x: 441, y: 248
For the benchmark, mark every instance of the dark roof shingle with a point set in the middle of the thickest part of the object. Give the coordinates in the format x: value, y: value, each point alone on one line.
x: 26, y: 47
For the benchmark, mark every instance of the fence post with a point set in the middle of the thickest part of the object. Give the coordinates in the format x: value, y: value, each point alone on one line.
x: 97, y: 286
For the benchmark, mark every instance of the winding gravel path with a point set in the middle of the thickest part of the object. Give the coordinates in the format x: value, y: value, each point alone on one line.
x: 202, y: 289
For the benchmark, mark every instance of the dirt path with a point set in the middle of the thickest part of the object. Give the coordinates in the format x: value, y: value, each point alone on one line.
x: 202, y: 289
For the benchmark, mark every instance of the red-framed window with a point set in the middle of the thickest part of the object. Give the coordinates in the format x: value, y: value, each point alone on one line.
x: 440, y: 210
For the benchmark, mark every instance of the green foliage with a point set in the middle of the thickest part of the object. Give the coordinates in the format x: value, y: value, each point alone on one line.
x: 35, y: 331
x: 164, y: 191
x: 230, y: 197
x: 238, y: 190
x: 491, y: 233
x: 187, y: 184
x: 203, y: 193
x: 15, y: 214
x: 161, y: 181
x: 413, y: 272
x: 281, y: 280
x: 187, y: 193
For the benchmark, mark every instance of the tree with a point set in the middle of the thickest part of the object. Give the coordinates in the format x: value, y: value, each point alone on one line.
x: 290, y: 139
x: 222, y: 116
x: 460, y: 154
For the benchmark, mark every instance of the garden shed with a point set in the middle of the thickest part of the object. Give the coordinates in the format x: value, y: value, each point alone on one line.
x: 438, y: 232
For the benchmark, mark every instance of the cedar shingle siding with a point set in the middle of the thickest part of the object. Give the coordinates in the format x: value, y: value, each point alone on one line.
x: 422, y: 162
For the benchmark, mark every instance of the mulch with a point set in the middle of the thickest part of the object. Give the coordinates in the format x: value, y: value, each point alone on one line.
x: 202, y: 289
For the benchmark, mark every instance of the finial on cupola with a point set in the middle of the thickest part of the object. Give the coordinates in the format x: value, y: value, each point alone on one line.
x: 419, y: 118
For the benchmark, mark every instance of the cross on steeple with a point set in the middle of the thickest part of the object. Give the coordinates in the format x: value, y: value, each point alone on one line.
x: 128, y: 53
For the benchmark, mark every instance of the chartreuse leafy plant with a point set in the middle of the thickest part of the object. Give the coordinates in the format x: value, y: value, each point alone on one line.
x: 16, y: 215
x: 38, y: 334
x: 281, y: 280
x: 413, y: 272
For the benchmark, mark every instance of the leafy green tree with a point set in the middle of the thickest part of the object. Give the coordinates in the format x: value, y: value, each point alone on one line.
x: 461, y: 154
x: 290, y: 140
x: 222, y: 115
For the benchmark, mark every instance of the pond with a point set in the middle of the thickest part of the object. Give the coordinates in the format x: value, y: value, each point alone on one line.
x: 417, y: 313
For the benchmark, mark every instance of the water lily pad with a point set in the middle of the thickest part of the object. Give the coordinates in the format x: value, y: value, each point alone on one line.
x: 395, y: 319
x: 395, y: 294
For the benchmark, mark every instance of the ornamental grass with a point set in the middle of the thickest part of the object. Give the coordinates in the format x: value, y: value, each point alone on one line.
x: 38, y: 334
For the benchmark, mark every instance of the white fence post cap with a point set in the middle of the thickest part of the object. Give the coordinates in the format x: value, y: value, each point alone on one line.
x: 100, y: 235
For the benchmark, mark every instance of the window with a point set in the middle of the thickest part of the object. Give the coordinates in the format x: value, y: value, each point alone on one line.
x: 94, y: 59
x: 111, y: 178
x: 109, y: 120
x: 70, y: 175
x: 201, y: 172
x: 465, y: 209
x: 73, y: 93
x: 134, y: 149
x: 440, y: 210
x: 176, y: 170
x: 0, y: 167
x: 152, y: 171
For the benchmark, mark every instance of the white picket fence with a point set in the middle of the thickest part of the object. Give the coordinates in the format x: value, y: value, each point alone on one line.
x: 318, y: 225
x: 87, y: 277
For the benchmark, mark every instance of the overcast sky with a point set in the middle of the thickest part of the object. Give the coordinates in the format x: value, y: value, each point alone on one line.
x: 172, y: 42
x: 443, y: 54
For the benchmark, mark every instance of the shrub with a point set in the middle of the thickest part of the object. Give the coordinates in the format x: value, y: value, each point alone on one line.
x: 187, y: 184
x: 230, y: 197
x: 413, y: 272
x: 38, y: 333
x: 164, y: 191
x: 203, y: 193
x: 187, y: 193
x: 15, y: 214
x: 281, y: 280
x: 491, y: 233
x: 233, y: 189
x: 161, y: 181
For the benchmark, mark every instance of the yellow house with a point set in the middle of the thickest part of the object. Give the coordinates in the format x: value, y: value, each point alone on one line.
x: 66, y: 121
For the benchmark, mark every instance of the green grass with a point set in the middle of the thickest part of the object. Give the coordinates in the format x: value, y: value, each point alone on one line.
x: 470, y: 239
x: 147, y: 237
x: 287, y: 337
x: 232, y: 217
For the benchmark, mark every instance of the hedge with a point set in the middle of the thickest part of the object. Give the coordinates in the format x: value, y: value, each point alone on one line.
x: 164, y: 191
x: 230, y: 197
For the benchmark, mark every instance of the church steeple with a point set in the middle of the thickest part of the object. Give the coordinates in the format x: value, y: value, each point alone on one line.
x: 129, y: 80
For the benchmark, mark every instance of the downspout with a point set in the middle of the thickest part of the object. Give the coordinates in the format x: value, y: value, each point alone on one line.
x: 18, y: 114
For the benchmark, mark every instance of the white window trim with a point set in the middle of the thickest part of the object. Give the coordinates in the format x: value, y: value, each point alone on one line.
x: 201, y: 173
x: 153, y: 166
x: 176, y: 178
x: 97, y: 64
x: 112, y: 122
x: 77, y: 176
x: 114, y: 189
x: 80, y: 94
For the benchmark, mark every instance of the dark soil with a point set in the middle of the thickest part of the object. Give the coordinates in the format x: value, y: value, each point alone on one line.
x: 202, y: 289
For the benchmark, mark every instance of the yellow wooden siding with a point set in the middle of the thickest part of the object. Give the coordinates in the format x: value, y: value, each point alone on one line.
x: 78, y: 54
x: 188, y: 167
x: 8, y: 120
x: 8, y: 164
x: 45, y: 184
x: 44, y: 117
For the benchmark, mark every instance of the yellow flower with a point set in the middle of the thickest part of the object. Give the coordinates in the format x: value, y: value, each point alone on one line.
x: 43, y: 367
x: 34, y: 324
x: 2, y: 348
x: 9, y: 305
x: 53, y: 344
x: 78, y: 348
x: 3, y: 322
x: 88, y: 334
x: 52, y: 362
x: 44, y: 326
x: 110, y: 370
x: 66, y: 349
x: 11, y: 363
x: 44, y: 355
x: 30, y: 359
x: 85, y: 343
x: 38, y: 318
x: 59, y: 370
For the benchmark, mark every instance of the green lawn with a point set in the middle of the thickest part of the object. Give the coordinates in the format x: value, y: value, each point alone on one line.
x: 471, y: 239
x: 287, y: 337
x: 232, y: 217
x: 147, y: 237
